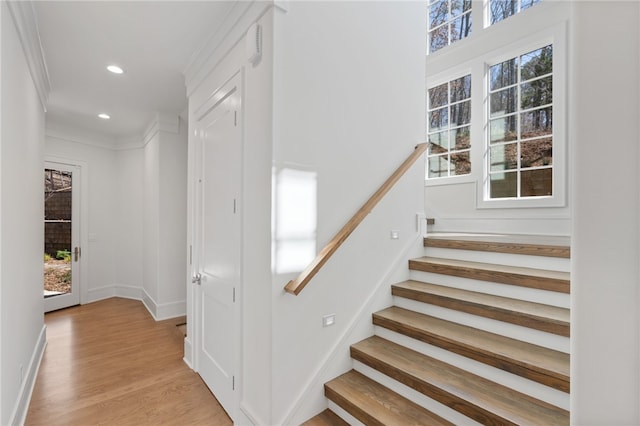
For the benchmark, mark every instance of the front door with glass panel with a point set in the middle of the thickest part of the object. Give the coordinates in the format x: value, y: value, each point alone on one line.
x: 62, y: 251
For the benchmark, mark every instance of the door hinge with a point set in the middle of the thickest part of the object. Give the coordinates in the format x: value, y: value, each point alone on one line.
x: 190, y: 255
x: 234, y: 295
x: 235, y: 118
x: 233, y: 382
x: 234, y: 206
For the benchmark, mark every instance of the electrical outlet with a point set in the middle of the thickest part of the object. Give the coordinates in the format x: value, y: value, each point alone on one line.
x: 328, y: 320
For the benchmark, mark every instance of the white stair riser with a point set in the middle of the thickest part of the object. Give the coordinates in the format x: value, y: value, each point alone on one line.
x: 414, y: 396
x: 344, y: 415
x: 518, y: 383
x: 521, y: 260
x: 505, y: 290
x: 525, y: 334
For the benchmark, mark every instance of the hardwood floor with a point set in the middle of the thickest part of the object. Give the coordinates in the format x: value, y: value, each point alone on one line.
x: 110, y: 363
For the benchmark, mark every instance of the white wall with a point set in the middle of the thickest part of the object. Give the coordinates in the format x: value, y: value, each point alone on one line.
x: 605, y: 320
x: 349, y: 106
x: 151, y: 226
x: 100, y: 167
x: 173, y: 216
x: 21, y: 223
x: 454, y: 209
x: 129, y: 218
x: 164, y: 228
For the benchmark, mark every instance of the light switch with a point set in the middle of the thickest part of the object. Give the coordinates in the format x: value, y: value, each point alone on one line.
x: 394, y: 235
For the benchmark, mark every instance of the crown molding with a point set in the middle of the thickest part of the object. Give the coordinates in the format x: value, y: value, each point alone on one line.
x: 217, y: 46
x: 25, y: 20
x: 163, y: 122
x: 74, y: 136
x: 282, y: 5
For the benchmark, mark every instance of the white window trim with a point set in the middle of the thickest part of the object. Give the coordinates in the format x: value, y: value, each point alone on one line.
x: 557, y: 36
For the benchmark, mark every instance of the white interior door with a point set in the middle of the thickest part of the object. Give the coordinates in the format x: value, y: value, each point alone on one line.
x: 218, y: 249
x: 62, y: 236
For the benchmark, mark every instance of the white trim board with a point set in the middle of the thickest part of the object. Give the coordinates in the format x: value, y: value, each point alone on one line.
x: 19, y: 414
x: 162, y: 122
x: 26, y: 22
x: 222, y: 41
x: 163, y: 311
x: 159, y: 311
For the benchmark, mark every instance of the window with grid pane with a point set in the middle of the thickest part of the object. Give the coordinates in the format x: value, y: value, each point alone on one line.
x: 449, y: 21
x: 449, y: 130
x: 520, y: 130
x: 502, y: 9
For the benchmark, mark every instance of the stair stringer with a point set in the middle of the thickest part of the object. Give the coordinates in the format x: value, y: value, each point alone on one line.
x: 338, y: 361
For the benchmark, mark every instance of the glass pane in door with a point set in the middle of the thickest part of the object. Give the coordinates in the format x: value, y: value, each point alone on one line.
x: 57, y: 232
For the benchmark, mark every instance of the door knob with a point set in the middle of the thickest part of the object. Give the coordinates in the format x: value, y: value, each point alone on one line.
x: 197, y: 279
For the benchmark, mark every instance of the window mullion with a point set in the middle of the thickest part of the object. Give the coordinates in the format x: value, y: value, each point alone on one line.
x: 480, y: 13
x: 518, y: 125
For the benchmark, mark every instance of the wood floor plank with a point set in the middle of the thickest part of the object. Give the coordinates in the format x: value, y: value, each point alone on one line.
x: 374, y: 404
x: 527, y: 314
x: 536, y: 363
x: 532, y: 245
x: 109, y: 362
x: 518, y: 276
x: 480, y: 399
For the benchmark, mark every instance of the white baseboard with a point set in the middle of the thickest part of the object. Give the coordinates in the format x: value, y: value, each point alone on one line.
x: 19, y: 414
x: 188, y: 352
x: 101, y: 293
x: 128, y: 292
x: 163, y: 311
x: 149, y: 303
x: 159, y: 311
x: 116, y: 290
x: 246, y: 417
x: 504, y: 225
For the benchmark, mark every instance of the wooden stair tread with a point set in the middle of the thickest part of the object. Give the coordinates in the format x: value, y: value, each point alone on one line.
x: 533, y: 245
x: 528, y: 314
x: 537, y: 363
x: 374, y: 404
x: 514, y: 275
x: 326, y: 418
x: 474, y: 396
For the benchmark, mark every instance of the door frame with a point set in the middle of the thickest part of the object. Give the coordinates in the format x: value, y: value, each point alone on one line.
x: 83, y: 222
x: 192, y: 341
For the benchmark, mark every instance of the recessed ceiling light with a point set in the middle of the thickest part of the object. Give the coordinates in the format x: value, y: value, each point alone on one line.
x: 104, y: 116
x: 115, y: 69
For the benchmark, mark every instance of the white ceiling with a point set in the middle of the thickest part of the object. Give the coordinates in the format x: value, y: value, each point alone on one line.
x: 153, y: 41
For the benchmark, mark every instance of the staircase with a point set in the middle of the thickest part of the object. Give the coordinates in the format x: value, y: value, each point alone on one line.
x: 478, y: 335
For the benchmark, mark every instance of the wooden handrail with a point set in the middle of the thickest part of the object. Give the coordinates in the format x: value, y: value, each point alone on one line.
x: 295, y: 286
